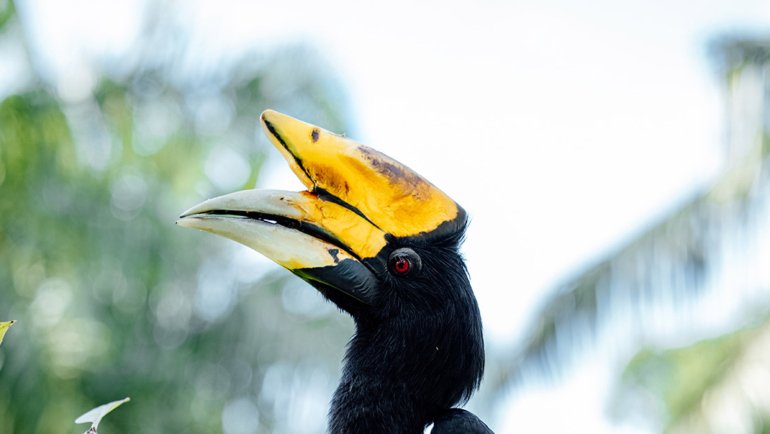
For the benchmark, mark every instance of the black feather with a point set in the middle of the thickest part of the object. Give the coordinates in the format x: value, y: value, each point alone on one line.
x: 458, y: 421
x: 418, y: 350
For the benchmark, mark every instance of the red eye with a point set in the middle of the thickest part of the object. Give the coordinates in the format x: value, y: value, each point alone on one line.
x: 404, y: 261
x: 401, y: 265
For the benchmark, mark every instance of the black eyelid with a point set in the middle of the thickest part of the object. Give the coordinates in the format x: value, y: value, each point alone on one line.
x: 409, y: 254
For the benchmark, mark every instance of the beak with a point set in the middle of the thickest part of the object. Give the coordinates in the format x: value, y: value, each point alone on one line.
x: 337, y: 233
x: 299, y: 231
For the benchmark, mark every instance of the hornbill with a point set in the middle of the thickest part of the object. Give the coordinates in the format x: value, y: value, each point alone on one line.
x: 381, y: 243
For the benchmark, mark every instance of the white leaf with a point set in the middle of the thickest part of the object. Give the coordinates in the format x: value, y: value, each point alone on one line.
x: 95, y: 416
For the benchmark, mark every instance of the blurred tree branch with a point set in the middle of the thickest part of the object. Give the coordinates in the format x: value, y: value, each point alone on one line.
x: 674, y: 260
x: 91, y: 262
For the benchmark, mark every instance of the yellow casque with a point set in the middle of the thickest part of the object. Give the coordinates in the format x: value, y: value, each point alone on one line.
x: 389, y: 194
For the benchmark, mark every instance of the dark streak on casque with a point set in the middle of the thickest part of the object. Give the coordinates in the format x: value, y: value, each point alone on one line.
x: 326, y: 196
x: 314, y: 135
x: 278, y: 137
x: 385, y: 165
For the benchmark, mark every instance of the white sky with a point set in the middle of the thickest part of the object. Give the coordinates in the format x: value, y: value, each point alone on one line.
x: 562, y: 128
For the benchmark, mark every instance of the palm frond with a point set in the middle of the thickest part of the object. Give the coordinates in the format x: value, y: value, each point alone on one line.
x: 677, y: 258
x: 697, y: 384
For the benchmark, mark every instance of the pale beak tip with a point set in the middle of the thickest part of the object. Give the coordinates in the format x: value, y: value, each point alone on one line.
x: 185, y: 221
x: 197, y: 209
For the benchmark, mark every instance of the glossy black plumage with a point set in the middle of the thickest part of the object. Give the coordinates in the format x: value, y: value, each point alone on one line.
x: 418, y: 351
x: 458, y: 421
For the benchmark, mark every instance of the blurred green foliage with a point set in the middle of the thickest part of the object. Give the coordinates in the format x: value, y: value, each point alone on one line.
x: 112, y: 299
x: 682, y: 376
x: 714, y: 385
x: 720, y: 384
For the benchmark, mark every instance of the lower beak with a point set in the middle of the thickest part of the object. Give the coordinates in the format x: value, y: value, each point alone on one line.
x: 320, y: 241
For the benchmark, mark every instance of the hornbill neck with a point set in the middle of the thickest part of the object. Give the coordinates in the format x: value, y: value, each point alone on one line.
x: 402, y: 372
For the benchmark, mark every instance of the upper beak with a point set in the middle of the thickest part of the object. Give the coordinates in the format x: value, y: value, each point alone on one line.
x: 298, y: 231
x: 336, y: 233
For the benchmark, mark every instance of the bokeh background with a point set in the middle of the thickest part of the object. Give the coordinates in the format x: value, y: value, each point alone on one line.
x: 612, y: 155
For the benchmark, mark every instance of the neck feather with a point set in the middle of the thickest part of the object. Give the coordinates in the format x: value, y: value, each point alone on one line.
x: 402, y: 372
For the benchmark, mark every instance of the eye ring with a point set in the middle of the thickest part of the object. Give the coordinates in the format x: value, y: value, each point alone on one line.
x: 404, y: 261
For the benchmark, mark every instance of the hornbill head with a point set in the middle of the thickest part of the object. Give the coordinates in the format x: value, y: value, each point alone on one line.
x: 379, y: 241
